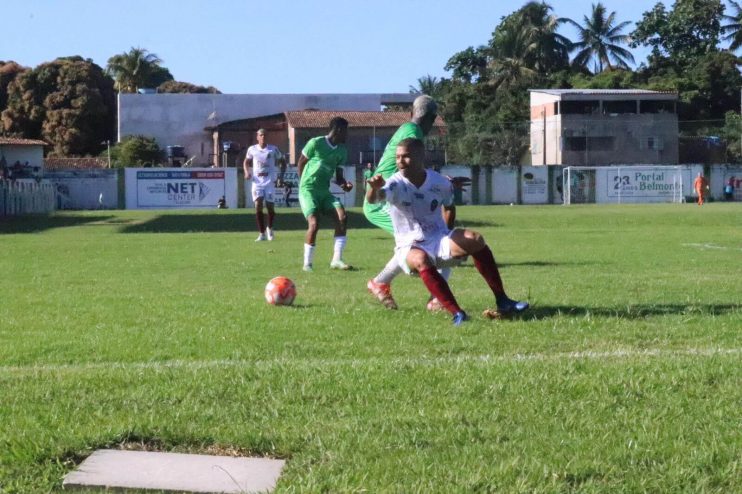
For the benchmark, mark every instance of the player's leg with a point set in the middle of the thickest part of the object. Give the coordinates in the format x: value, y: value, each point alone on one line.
x: 309, y: 208
x: 270, y: 206
x: 258, y: 198
x: 420, y: 261
x: 334, y: 207
x: 464, y: 242
x: 380, y: 285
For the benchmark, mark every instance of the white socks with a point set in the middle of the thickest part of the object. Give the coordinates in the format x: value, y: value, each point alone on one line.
x: 308, y: 254
x: 339, y: 247
x: 390, y: 271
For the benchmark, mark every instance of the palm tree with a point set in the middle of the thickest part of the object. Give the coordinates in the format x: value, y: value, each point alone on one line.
x: 599, y: 41
x: 133, y: 70
x: 734, y: 29
x: 427, y: 84
x: 526, y: 45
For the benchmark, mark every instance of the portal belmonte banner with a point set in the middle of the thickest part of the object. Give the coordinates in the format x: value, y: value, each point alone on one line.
x: 180, y: 188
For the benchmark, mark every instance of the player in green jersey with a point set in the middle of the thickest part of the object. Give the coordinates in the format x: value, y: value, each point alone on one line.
x: 320, y: 159
x: 424, y: 113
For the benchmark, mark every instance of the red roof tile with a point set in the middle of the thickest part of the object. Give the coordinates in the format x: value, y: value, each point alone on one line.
x: 74, y: 163
x: 315, y: 119
x: 17, y: 141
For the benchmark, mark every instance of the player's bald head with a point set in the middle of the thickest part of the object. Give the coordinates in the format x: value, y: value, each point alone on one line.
x: 424, y: 106
x: 424, y: 111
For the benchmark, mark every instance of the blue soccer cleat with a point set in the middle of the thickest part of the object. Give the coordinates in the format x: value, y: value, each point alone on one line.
x: 459, y: 318
x: 508, y: 306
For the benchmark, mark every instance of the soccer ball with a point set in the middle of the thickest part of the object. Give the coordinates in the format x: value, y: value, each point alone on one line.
x: 280, y: 291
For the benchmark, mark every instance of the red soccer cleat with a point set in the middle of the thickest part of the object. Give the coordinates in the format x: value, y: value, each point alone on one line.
x: 383, y: 292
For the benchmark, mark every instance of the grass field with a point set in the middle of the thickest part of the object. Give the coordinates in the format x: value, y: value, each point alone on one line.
x: 149, y: 330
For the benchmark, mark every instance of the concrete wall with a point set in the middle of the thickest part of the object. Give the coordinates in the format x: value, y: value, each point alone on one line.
x: 85, y: 189
x: 180, y: 119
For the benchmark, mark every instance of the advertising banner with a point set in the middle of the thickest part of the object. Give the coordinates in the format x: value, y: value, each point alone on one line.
x: 178, y: 188
x: 642, y: 183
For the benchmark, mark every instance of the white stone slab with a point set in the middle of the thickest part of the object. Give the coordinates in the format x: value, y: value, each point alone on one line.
x: 175, y: 472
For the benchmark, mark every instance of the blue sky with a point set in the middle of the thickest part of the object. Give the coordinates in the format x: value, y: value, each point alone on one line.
x: 275, y: 46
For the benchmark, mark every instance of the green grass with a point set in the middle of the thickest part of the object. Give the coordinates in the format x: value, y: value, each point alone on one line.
x: 150, y: 328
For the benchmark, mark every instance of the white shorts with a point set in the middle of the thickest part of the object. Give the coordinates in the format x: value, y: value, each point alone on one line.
x: 438, y: 249
x: 265, y: 191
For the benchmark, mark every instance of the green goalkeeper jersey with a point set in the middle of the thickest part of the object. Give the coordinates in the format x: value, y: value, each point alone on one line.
x: 388, y: 163
x: 324, y: 160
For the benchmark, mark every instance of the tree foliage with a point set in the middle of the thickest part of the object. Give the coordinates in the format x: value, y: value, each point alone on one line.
x: 69, y: 103
x: 8, y: 72
x: 185, y: 87
x: 136, y: 69
x: 689, y: 30
x: 599, y: 40
x: 136, y: 151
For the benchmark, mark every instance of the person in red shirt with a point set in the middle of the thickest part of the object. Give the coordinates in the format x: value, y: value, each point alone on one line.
x: 700, y: 184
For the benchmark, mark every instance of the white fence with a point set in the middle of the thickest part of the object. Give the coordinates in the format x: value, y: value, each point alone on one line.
x: 26, y: 197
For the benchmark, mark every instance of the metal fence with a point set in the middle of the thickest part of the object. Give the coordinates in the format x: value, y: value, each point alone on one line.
x: 26, y: 197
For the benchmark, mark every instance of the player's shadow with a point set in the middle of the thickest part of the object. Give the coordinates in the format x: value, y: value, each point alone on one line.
x: 641, y: 311
x: 286, y: 220
x: 40, y: 223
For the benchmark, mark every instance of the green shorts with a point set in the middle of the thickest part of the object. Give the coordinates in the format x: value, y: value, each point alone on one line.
x: 317, y: 201
x: 378, y: 215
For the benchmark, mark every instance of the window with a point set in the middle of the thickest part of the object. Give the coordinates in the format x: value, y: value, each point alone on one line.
x: 598, y: 143
x: 656, y: 106
x: 619, y: 107
x: 579, y: 107
x: 652, y: 143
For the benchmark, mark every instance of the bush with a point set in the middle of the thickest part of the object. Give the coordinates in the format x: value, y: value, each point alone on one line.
x: 136, y: 151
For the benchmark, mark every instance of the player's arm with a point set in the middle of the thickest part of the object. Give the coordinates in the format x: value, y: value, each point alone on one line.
x: 303, y: 160
x: 281, y: 169
x: 449, y: 215
x: 247, y: 166
x: 340, y: 180
x: 375, y: 193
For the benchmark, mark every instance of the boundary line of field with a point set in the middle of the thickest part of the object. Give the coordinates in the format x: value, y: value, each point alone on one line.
x: 422, y: 361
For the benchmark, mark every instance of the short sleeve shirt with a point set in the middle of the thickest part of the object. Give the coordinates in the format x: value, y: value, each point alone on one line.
x: 264, y: 161
x: 416, y: 212
x: 324, y: 160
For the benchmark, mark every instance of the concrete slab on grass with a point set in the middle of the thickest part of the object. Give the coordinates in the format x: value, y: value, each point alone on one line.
x: 175, y: 472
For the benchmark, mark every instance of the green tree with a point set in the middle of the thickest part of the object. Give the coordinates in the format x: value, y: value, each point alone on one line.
x: 430, y: 85
x: 599, y: 40
x: 136, y: 151
x: 135, y: 69
x: 691, y: 29
x: 733, y: 30
x: 8, y: 72
x: 69, y: 102
x: 469, y: 65
x: 185, y: 87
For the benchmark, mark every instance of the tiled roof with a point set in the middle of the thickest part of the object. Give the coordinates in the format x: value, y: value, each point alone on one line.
x: 633, y: 92
x: 314, y: 119
x: 74, y: 163
x: 17, y: 141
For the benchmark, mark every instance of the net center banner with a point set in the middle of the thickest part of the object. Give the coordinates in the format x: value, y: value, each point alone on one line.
x: 627, y: 182
x: 178, y: 188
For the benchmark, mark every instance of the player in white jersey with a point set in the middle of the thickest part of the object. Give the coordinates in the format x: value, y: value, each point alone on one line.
x: 423, y: 241
x: 261, y: 164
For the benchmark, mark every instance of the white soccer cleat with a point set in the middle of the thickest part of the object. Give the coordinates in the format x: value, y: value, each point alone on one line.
x: 341, y: 265
x: 261, y: 238
x: 269, y: 233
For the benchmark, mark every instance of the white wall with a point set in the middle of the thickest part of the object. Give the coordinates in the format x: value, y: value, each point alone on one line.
x: 505, y: 185
x: 85, y: 189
